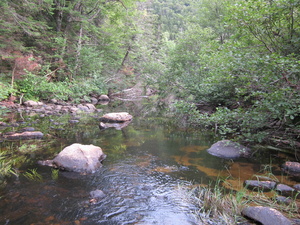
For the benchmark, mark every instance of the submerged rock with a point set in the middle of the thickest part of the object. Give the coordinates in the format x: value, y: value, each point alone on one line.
x: 118, y: 117
x: 266, y: 215
x: 97, y: 194
x: 229, y: 150
x: 78, y: 158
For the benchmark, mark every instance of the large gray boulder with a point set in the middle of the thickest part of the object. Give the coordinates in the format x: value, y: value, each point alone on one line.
x: 229, y: 150
x: 266, y: 215
x: 78, y: 158
x: 118, y: 117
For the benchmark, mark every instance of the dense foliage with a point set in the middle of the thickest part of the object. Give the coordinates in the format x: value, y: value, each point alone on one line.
x: 62, y: 41
x: 241, y: 58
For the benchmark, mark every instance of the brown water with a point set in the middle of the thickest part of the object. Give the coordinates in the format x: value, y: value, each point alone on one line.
x: 147, y: 163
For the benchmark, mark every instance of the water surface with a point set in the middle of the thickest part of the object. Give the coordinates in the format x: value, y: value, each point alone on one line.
x: 147, y: 164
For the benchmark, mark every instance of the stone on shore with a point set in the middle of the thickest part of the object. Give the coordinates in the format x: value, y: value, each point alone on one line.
x: 260, y: 185
x: 104, y: 98
x: 31, y: 103
x: 266, y: 215
x: 292, y: 167
x: 285, y: 190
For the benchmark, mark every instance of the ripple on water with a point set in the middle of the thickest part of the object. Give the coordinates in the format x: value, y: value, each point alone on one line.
x: 137, y: 196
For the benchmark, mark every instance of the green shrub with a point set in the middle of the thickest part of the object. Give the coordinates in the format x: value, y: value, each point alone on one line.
x: 5, y: 91
x: 5, y: 167
x: 35, y: 87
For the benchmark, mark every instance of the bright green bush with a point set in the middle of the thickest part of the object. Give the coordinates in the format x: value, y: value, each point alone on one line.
x: 84, y: 87
x: 5, y: 90
x: 37, y: 87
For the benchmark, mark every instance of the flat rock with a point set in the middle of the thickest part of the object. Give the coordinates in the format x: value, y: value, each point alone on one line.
x: 260, y: 185
x: 266, y: 215
x: 292, y: 167
x: 31, y: 103
x: 229, y: 150
x: 284, y: 188
x: 27, y: 129
x: 117, y: 117
x: 24, y: 135
x: 77, y: 158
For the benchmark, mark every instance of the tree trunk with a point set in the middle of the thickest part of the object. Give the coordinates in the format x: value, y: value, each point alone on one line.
x: 79, y: 46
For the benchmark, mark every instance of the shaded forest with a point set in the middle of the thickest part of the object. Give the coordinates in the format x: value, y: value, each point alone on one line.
x: 233, y: 66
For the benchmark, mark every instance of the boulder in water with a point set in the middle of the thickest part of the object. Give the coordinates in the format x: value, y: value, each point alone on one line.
x: 229, y: 150
x: 118, y: 117
x: 78, y: 158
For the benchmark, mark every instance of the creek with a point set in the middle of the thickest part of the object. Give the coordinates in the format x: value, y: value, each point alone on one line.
x: 147, y: 164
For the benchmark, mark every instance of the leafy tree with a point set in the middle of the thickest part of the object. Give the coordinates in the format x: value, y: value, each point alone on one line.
x: 171, y: 16
x: 66, y: 29
x: 73, y: 38
x: 210, y: 14
x: 272, y: 24
x: 232, y: 57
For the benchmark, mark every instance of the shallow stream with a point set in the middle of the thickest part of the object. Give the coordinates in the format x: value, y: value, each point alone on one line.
x: 148, y: 162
